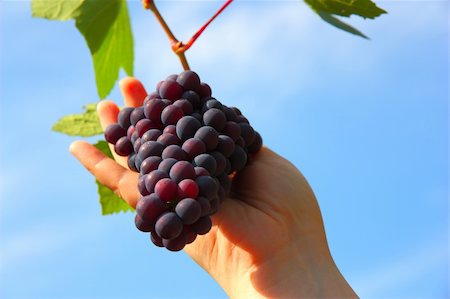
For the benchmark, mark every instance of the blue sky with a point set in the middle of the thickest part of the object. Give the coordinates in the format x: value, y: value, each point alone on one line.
x: 365, y: 121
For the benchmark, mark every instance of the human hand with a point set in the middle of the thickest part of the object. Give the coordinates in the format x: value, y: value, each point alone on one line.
x: 267, y: 238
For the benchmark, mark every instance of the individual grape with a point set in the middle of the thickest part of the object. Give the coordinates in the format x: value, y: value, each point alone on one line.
x: 137, y: 145
x: 205, y: 205
x: 240, y: 142
x: 186, y: 127
x: 194, y: 147
x: 247, y: 133
x: 207, y: 186
x: 200, y: 171
x: 137, y: 163
x: 187, y: 188
x: 171, y: 114
x: 134, y: 137
x: 150, y: 148
x: 230, y: 114
x: 189, y: 210
x: 236, y: 110
x: 172, y: 77
x: 166, y: 164
x: 204, y: 90
x: 141, y: 186
x: 172, y: 129
x: 124, y: 117
x: 156, y: 239
x: 232, y: 130
x: 166, y: 189
x: 212, y: 103
x: 206, y: 161
x: 256, y: 144
x: 209, y: 137
x: 238, y: 159
x: 192, y: 97
x: 215, y: 118
x: 154, y: 177
x: 168, y: 226
x: 197, y: 115
x: 130, y: 131
x: 190, y: 235
x: 166, y: 102
x: 153, y: 109
x: 175, y: 244
x: 114, y: 132
x: 149, y: 164
x: 123, y: 146
x: 189, y: 80
x: 174, y: 151
x: 242, y: 119
x: 182, y: 170
x: 214, y: 202
x: 170, y: 90
x: 142, y: 225
x: 167, y: 139
x: 185, y: 106
x: 151, y: 135
x: 144, y: 125
x: 136, y: 115
x: 220, y: 162
x: 202, y: 225
x: 150, y: 207
x: 151, y: 96
x: 158, y: 86
x: 131, y: 162
x: 225, y: 145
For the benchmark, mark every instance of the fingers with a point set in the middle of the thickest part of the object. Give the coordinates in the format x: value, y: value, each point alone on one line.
x: 107, y: 171
x: 133, y: 91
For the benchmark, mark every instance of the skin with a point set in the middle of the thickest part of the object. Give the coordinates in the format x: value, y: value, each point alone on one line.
x: 267, y: 239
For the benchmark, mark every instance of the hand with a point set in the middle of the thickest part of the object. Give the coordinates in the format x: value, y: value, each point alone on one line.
x: 267, y: 238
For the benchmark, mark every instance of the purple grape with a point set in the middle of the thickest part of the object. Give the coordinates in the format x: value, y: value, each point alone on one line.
x: 200, y: 171
x: 124, y: 117
x: 171, y: 114
x: 256, y: 144
x: 240, y: 142
x: 205, y: 90
x: 144, y: 125
x: 215, y: 118
x: 130, y: 131
x: 189, y: 80
x: 205, y: 205
x: 207, y: 186
x: 156, y: 239
x: 174, y: 151
x: 170, y: 90
x: 114, y: 132
x: 151, y: 96
x: 192, y: 97
x: 230, y: 114
x: 137, y: 145
x: 166, y: 189
x: 154, y: 177
x: 172, y: 129
x: 202, y: 225
x: 123, y: 146
x: 238, y: 159
x: 141, y: 186
x: 167, y: 139
x: 190, y: 235
x: 247, y: 133
x: 168, y: 226
x: 142, y: 225
x: 232, y: 130
x: 186, y: 127
x: 136, y: 115
x: 134, y: 136
x: 225, y: 145
x: 209, y: 137
x: 131, y: 162
x: 206, y: 161
x: 151, y: 135
x: 182, y: 170
x: 214, y: 202
x: 194, y: 147
x: 212, y: 103
x: 166, y: 164
x: 153, y: 109
x: 175, y: 244
x: 185, y: 105
x: 198, y: 116
x: 236, y: 110
x: 189, y: 210
x: 150, y: 148
x: 220, y: 162
x: 150, y: 164
x: 187, y: 188
x: 150, y: 207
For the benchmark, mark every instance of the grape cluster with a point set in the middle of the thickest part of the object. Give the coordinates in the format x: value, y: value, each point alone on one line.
x: 184, y: 144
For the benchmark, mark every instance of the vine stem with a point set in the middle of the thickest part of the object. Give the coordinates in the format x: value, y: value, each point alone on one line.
x: 177, y: 46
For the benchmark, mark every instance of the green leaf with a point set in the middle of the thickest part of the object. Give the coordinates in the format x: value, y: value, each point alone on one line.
x: 85, y: 124
x: 105, y: 25
x: 326, y: 9
x: 109, y: 201
x: 55, y: 9
x: 116, y: 51
x: 339, y: 24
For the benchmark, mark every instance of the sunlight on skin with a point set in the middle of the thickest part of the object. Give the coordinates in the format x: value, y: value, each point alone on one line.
x: 267, y: 238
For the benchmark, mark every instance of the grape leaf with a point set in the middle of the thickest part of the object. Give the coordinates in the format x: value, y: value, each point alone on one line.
x: 110, y: 202
x: 106, y: 28
x: 345, y: 8
x: 85, y: 124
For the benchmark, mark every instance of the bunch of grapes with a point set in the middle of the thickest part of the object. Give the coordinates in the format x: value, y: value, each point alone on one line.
x: 184, y: 144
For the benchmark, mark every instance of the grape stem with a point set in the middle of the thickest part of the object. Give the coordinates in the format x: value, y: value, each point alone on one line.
x: 178, y: 47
